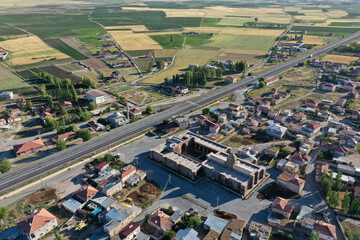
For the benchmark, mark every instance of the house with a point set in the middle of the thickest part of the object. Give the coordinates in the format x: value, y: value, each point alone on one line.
x: 291, y: 181
x: 235, y: 107
x: 127, y: 64
x: 11, y: 233
x: 96, y: 96
x: 338, y: 149
x: 230, y: 79
x: 72, y: 205
x: 136, y: 178
x: 352, y: 95
x: 340, y: 102
x: 160, y: 221
x: 300, y: 158
x: 117, y: 219
x: 181, y: 121
x: 350, y: 86
x: 45, y: 115
x: 102, y: 166
x: 67, y: 105
x: 169, y: 127
x: 291, y: 167
x: 272, y: 151
x: 251, y: 122
x: 130, y: 231
x: 38, y: 225
x: 13, y: 118
x: 311, y: 103
x: 126, y: 172
x: 85, y: 193
x: 355, y: 115
x: 15, y: 111
x: 234, y: 230
x: 271, y: 80
x: 186, y: 234
x: 149, y: 55
x: 282, y: 207
x: 117, y: 119
x: 180, y: 89
x: 112, y: 187
x: 276, y: 131
x: 259, y: 231
x: 299, y: 116
x: 326, y: 231
x: 320, y: 168
x: 310, y: 129
x: 96, y: 126
x: 135, y: 112
x: 29, y: 147
x: 215, y: 224
x: 272, y: 114
x: 64, y: 136
x: 329, y: 87
x: 348, y: 142
x: 116, y: 75
x: 213, y: 127
x: 20, y: 102
x: 2, y: 122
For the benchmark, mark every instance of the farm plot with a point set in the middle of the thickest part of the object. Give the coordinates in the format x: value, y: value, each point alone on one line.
x: 340, y: 59
x: 87, y: 74
x: 130, y: 41
x: 136, y: 28
x: 75, y: 43
x: 66, y: 49
x: 9, y: 81
x: 94, y: 63
x: 169, y: 41
x: 29, y: 50
x: 189, y: 55
x: 57, y: 72
x: 165, y: 53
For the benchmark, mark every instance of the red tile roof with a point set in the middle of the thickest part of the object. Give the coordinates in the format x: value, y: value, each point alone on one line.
x: 102, y: 165
x: 36, y: 221
x: 300, y: 157
x: 38, y: 143
x: 127, y: 170
x: 129, y: 229
x: 282, y: 204
x: 296, y: 180
x: 11, y: 117
x: 325, y: 228
x: 135, y: 110
x: 159, y: 218
x: 86, y: 192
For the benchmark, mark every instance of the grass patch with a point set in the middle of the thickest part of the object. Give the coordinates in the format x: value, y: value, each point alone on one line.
x: 196, y: 42
x: 294, y: 13
x: 66, y: 49
x: 137, y: 53
x: 344, y: 24
x: 120, y: 89
x: 210, y: 22
x: 352, y: 231
x: 326, y: 30
x: 169, y: 41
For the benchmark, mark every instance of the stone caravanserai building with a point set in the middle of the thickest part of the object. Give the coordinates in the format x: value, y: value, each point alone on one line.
x: 194, y: 156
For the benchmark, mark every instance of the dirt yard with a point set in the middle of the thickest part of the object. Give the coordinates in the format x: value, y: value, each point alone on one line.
x: 42, y: 196
x: 143, y: 194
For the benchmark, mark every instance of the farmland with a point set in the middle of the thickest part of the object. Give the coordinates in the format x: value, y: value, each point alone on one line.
x: 340, y: 58
x: 57, y: 72
x: 169, y: 41
x: 9, y: 81
x: 130, y: 41
x: 29, y: 50
x: 66, y: 49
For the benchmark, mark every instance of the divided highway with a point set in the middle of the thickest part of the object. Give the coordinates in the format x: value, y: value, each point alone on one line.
x: 21, y: 175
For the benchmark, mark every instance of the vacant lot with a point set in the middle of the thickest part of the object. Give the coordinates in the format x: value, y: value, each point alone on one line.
x: 340, y: 59
x: 42, y: 196
x: 29, y: 50
x: 130, y: 41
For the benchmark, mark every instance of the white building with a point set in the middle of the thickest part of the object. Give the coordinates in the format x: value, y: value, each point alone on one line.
x: 6, y: 95
x: 97, y: 96
x: 117, y: 119
x: 275, y: 130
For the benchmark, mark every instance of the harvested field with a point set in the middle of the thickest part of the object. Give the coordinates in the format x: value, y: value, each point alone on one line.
x: 130, y: 74
x: 340, y: 59
x: 75, y: 43
x: 165, y: 53
x: 130, y: 41
x: 43, y: 195
x: 94, y: 63
x: 87, y: 74
x: 29, y: 50
x: 57, y: 72
x: 252, y: 31
x: 135, y: 28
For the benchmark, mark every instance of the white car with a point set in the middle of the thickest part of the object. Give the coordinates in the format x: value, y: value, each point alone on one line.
x: 118, y: 155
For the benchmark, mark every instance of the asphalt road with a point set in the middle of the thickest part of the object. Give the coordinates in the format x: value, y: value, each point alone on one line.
x: 20, y: 175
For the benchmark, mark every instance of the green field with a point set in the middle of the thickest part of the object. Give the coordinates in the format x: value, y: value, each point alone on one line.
x: 144, y: 64
x: 169, y: 41
x: 246, y: 42
x: 186, y: 21
x: 210, y: 22
x: 66, y: 49
x: 7, y: 30
x: 294, y: 13
x: 11, y: 82
x: 137, y: 53
x: 344, y: 24
x: 326, y: 30
x: 197, y: 41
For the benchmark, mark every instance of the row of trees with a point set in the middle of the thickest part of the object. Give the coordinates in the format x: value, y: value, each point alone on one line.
x: 79, y: 115
x: 265, y: 25
x: 330, y: 187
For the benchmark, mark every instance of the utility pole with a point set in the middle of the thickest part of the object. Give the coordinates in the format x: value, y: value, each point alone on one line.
x: 217, y: 201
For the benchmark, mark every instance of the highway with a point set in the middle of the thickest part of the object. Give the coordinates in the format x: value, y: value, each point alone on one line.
x: 21, y: 175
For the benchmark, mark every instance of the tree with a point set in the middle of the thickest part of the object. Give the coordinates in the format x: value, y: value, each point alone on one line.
x: 262, y: 84
x: 314, y: 236
x: 160, y: 64
x: 195, y: 221
x: 346, y: 202
x: 149, y: 109
x: 355, y: 206
x: 5, y: 165
x: 3, y: 212
x: 50, y: 123
x: 88, y: 83
x: 57, y: 235
x: 92, y: 106
x: 60, y: 144
x: 288, y: 90
x: 326, y: 186
x: 166, y: 121
x: 84, y: 134
x: 336, y: 202
x: 206, y: 111
x: 73, y: 93
x: 169, y: 234
x: 297, y: 143
x: 256, y: 19
x: 338, y: 184
x: 29, y: 104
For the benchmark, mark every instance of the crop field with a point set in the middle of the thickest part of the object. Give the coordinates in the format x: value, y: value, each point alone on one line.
x: 186, y: 21
x: 57, y: 72
x: 31, y: 3
x: 135, y: 28
x: 326, y: 30
x: 188, y: 56
x: 6, y: 30
x: 29, y: 50
x: 9, y: 81
x: 144, y: 64
x: 169, y: 41
x: 130, y: 41
x: 340, y: 59
x: 243, y: 42
x: 66, y: 49
x: 87, y: 74
x: 130, y: 74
